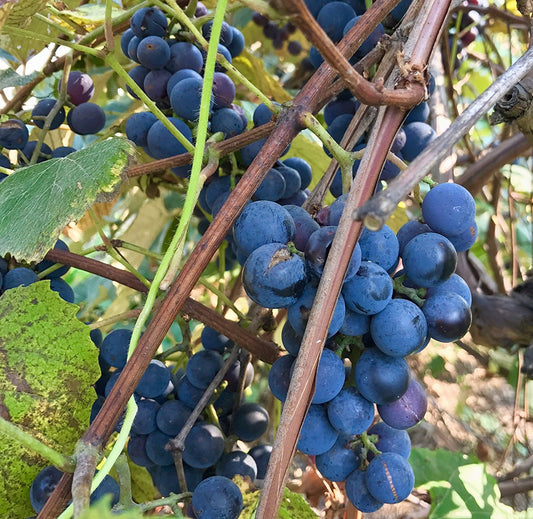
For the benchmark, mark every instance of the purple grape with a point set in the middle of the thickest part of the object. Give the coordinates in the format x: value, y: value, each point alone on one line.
x: 304, y: 223
x: 185, y: 98
x: 149, y: 21
x: 62, y: 151
x: 171, y: 416
x: 455, y: 284
x: 42, y: 487
x: 137, y: 74
x: 380, y: 247
x: 226, y: 33
x: 144, y: 421
x: 223, y: 90
x: 19, y: 277
x: 86, y: 119
x: 303, y: 168
x: 272, y: 187
x: 408, y: 410
x: 42, y: 109
x: 418, y: 136
x: 355, y: 324
x: 80, y: 87
x: 155, y: 380
x: 155, y: 448
x: 408, y: 231
x: 155, y: 84
x: 44, y: 153
x: 227, y: 121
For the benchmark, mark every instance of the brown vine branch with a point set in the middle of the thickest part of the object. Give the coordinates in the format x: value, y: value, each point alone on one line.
x: 376, y: 211
x: 265, y: 350
x: 413, y: 88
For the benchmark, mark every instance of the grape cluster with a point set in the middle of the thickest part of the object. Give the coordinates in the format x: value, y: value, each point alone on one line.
x: 83, y: 118
x: 165, y: 399
x: 14, y: 275
x: 284, y: 251
x: 278, y: 35
x: 170, y: 72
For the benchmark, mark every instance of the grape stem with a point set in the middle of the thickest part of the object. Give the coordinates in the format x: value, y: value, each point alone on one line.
x: 412, y: 293
x: 64, y: 463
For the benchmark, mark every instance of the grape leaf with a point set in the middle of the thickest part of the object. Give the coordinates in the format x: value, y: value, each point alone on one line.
x: 89, y: 14
x: 47, y: 366
x: 459, y: 486
x: 9, y: 78
x: 37, y: 202
x: 101, y: 510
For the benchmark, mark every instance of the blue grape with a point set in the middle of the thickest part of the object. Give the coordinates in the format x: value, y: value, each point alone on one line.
x: 226, y: 33
x: 271, y: 187
x: 261, y: 454
x: 188, y: 394
x: 369, y: 43
x: 80, y: 87
x: 62, y: 151
x: 350, y: 413
x: 380, y: 247
x: 217, y: 497
x: 448, y: 316
x: 418, y: 137
x: 153, y: 52
x: 13, y: 134
x: 237, y: 462
x: 133, y: 44
x: 333, y: 17
x: 338, y: 462
x: 381, y: 378
x: 250, y: 421
x: 408, y: 231
x: 273, y: 277
x: 107, y: 486
x: 233, y: 375
x: 399, y: 329
x: 44, y: 153
x: 429, y: 259
x: 202, y: 367
x: 18, y: 277
x: 4, y: 163
x: 185, y: 55
x: 213, y: 340
x: 330, y: 377
x: 455, y: 284
x: 185, y: 98
x: 337, y: 107
x: 291, y: 177
x: 260, y: 223
x: 125, y: 39
x: 298, y: 313
x: 449, y: 209
x: 465, y: 240
x: 223, y: 91
x: 317, y: 251
x: 389, y: 478
x: 215, y: 188
x: 155, y: 380
x: 204, y: 446
x: 42, y: 487
x: 291, y: 340
x: 166, y: 479
x: 279, y: 376
x: 155, y: 448
x: 369, y: 290
x: 250, y: 151
x: 408, y: 410
x: 184, y: 73
x: 86, y: 119
x: 114, y: 349
x: 63, y: 289
x: 137, y: 74
x: 162, y: 144
x: 42, y: 109
x: 303, y: 168
x: 317, y: 435
x: 355, y: 324
x: 137, y: 450
x: 155, y: 84
x: 358, y: 494
x: 261, y: 115
x: 304, y: 223
x: 227, y: 121
x: 419, y: 113
x: 390, y: 440
x: 137, y: 127
x: 149, y: 21
x: 237, y: 42
x: 145, y: 419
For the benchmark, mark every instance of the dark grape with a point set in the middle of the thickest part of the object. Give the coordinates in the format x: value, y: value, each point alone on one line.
x: 418, y: 136
x: 42, y: 109
x: 333, y: 17
x: 272, y: 187
x: 18, y: 277
x: 279, y: 376
x: 107, y: 486
x: 86, y: 119
x: 369, y: 43
x: 44, y: 153
x: 162, y: 144
x: 329, y: 377
x: 237, y: 462
x: 166, y: 479
x: 185, y: 98
x: 204, y: 446
x: 455, y: 284
x: 223, y: 90
x: 291, y: 177
x: 63, y: 289
x: 13, y: 134
x: 217, y: 497
x: 149, y: 21
x: 137, y: 450
x: 408, y: 231
x: 227, y: 121
x: 250, y: 421
x: 125, y: 39
x: 350, y: 413
x: 185, y: 55
x: 390, y: 440
x: 155, y: 380
x: 338, y: 462
x: 137, y: 74
x: 80, y: 87
x: 213, y: 340
x: 155, y: 448
x: 380, y: 247
x: 62, y: 151
x: 317, y: 435
x: 408, y: 410
x: 46, y: 264
x: 303, y: 167
x: 42, y: 487
x: 237, y: 42
x: 358, y: 494
x: 114, y: 349
x: 153, y: 52
x: 202, y: 367
x: 261, y: 454
x: 155, y: 84
x: 389, y: 478
x: 304, y: 224
x: 232, y: 376
x: 355, y: 324
x: 226, y: 33
x: 137, y: 127
x: 448, y: 316
x: 144, y: 421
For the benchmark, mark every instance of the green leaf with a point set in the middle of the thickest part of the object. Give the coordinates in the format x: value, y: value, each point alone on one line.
x: 89, y: 14
x: 459, y: 486
x: 37, y: 202
x: 48, y: 364
x: 9, y: 78
x: 142, y: 486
